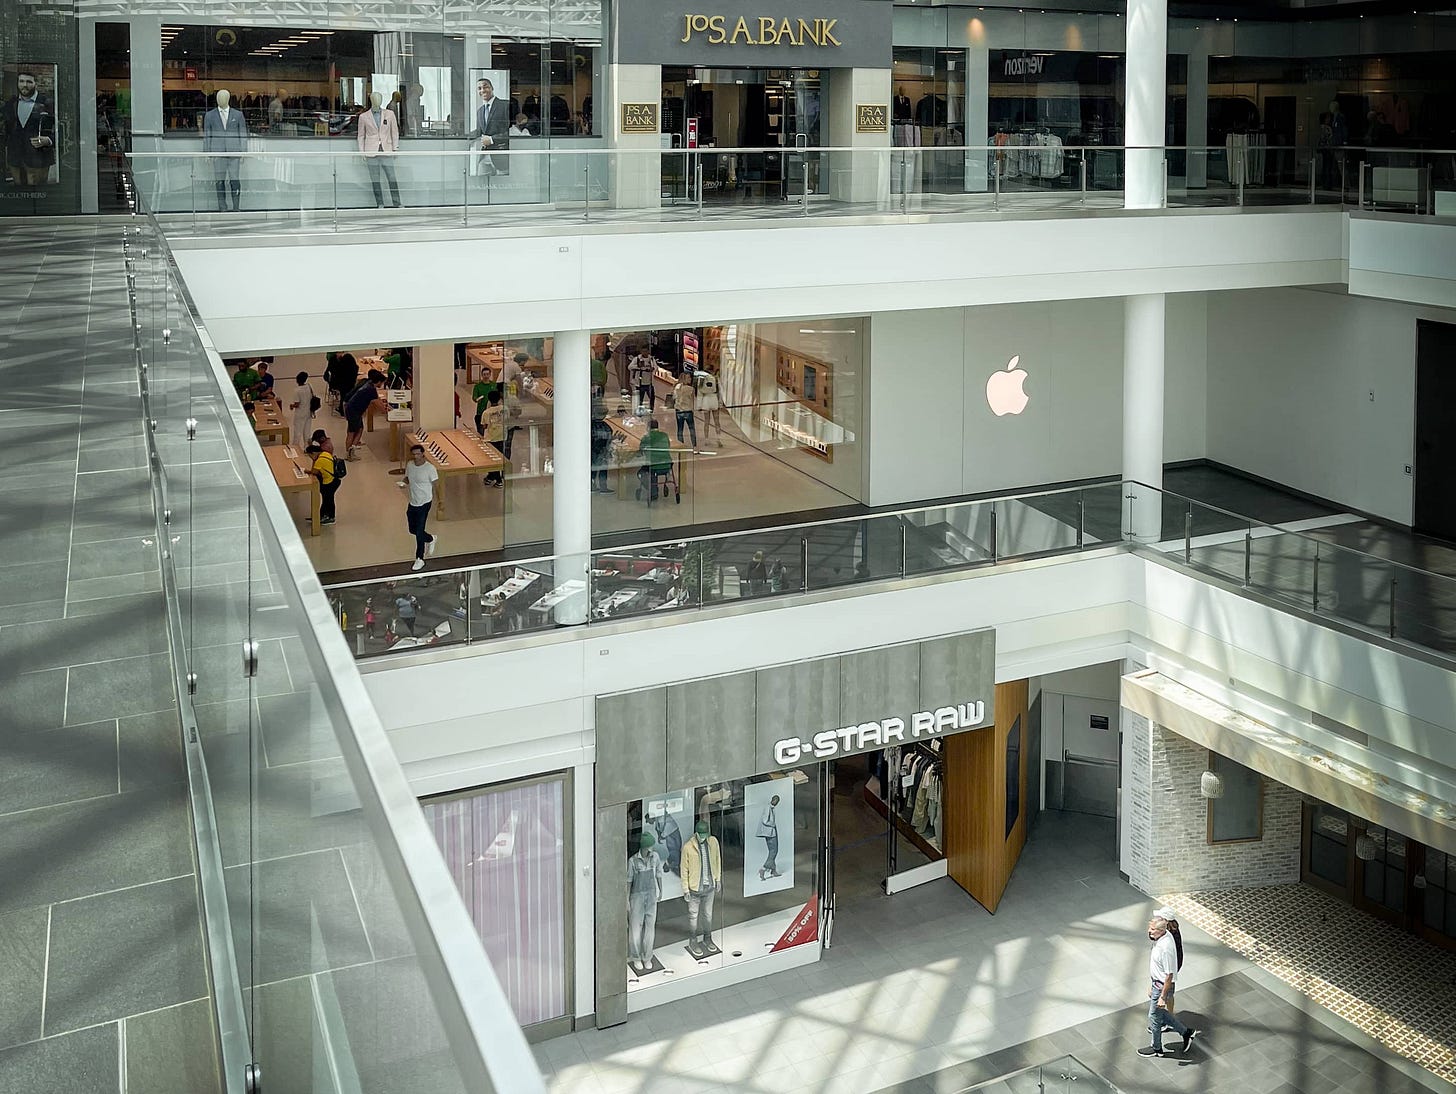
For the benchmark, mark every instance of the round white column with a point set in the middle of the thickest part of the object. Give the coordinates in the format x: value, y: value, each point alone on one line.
x: 1147, y: 102
x: 571, y: 459
x: 1143, y: 356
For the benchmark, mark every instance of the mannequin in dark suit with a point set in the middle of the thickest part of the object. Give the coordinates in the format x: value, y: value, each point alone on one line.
x: 492, y: 125
x: 224, y: 130
x: 900, y: 110
x: 30, y: 145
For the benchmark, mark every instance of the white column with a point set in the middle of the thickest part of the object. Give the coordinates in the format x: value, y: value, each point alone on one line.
x: 571, y: 457
x: 861, y: 176
x: 635, y: 173
x: 434, y: 391
x: 978, y: 117
x: 1142, y: 411
x: 1147, y: 102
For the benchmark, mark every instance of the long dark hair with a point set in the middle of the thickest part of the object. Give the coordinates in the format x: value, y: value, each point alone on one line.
x: 1177, y: 940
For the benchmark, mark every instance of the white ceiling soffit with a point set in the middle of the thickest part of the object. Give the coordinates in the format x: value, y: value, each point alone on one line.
x: 1292, y: 761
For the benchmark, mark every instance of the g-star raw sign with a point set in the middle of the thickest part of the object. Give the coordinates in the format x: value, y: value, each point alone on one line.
x: 805, y: 34
x: 829, y: 743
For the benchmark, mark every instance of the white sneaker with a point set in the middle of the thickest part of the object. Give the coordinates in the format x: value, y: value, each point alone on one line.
x: 419, y: 564
x: 430, y: 547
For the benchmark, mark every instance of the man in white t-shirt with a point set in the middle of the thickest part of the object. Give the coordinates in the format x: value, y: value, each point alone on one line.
x: 1162, y: 971
x: 420, y: 476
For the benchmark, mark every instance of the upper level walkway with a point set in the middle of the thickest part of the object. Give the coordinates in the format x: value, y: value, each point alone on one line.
x: 209, y: 856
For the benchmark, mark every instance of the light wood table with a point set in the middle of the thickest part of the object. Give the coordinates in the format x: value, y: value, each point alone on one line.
x: 455, y: 452
x: 486, y: 359
x: 268, y: 423
x: 295, y: 474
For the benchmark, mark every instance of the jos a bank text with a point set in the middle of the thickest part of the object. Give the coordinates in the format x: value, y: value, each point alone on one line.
x: 763, y: 31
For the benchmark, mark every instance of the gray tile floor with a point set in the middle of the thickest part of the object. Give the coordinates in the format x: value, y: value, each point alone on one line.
x: 101, y: 947
x: 926, y: 992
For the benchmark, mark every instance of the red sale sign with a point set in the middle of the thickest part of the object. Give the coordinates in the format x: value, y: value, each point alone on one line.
x: 804, y: 928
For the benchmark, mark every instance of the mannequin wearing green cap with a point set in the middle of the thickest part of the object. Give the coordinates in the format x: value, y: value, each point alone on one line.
x: 644, y: 890
x: 702, y: 878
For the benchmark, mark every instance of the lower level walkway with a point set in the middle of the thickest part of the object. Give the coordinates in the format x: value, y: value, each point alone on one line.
x: 103, y: 985
x: 960, y: 995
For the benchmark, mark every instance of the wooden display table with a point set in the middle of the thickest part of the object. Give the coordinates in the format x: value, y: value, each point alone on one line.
x: 295, y: 474
x: 455, y: 452
x: 268, y: 423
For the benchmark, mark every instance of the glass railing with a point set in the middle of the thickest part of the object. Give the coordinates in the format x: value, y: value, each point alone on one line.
x: 1305, y: 570
x: 340, y: 189
x: 1310, y: 571
x: 510, y: 599
x: 341, y: 955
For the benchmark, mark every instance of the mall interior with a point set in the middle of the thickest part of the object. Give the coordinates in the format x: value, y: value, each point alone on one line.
x: 620, y: 546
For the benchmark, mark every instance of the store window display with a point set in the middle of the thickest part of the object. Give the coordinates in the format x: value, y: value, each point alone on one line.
x: 721, y: 874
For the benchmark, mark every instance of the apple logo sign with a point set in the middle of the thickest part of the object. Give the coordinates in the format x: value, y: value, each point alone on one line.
x: 1004, y: 394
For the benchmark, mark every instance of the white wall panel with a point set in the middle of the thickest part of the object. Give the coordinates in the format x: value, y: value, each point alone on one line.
x: 262, y: 295
x: 1290, y: 378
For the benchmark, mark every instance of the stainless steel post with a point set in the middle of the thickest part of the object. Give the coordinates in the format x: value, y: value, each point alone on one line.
x: 1393, y: 584
x: 903, y: 199
x: 1430, y: 192
x: 465, y: 190
x: 1081, y: 518
x: 1240, y: 159
x: 1188, y: 534
x: 698, y: 181
x: 1248, y: 556
x: 586, y: 190
x: 1360, y: 188
x: 804, y: 561
x: 1312, y: 169
x: 1165, y: 181
x: 1082, y: 168
x: 904, y: 538
x: 1314, y: 605
x: 806, y: 186
x: 993, y: 531
x: 996, y: 197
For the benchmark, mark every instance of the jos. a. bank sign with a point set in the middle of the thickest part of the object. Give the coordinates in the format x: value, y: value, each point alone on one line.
x: 732, y: 33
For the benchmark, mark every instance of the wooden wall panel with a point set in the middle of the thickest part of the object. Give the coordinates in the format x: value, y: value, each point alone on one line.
x: 980, y: 855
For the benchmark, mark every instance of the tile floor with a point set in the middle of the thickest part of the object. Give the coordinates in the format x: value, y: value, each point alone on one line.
x: 101, y: 949
x: 925, y: 991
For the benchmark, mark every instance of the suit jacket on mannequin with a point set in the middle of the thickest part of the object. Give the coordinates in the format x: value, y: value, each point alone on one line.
x: 220, y: 136
x: 19, y: 152
x: 378, y: 138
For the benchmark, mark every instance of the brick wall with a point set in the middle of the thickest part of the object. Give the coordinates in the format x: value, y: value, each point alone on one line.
x: 1174, y: 825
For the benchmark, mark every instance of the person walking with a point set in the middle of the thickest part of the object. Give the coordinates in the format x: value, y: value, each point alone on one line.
x: 406, y: 610
x: 768, y: 831
x: 601, y: 446
x: 494, y: 421
x: 1162, y: 971
x: 685, y: 401
x: 420, y: 476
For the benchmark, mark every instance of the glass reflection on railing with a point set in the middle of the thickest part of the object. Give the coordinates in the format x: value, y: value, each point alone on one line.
x: 341, y: 189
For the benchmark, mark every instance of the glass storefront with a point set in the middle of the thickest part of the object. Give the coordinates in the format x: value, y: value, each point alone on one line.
x: 723, y: 873
x: 749, y: 420
x: 508, y: 849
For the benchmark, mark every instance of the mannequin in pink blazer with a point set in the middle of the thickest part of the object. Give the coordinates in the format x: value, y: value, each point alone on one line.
x: 378, y: 137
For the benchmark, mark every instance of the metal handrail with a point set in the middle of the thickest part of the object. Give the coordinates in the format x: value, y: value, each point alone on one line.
x: 486, y: 1041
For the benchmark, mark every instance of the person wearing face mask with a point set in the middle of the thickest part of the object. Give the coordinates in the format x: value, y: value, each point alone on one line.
x: 1163, y: 966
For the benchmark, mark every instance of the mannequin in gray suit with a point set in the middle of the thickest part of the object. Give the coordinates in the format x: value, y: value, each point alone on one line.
x: 492, y: 126
x: 224, y: 130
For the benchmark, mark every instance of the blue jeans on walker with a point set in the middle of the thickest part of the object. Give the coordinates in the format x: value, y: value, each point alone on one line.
x: 1160, y: 1019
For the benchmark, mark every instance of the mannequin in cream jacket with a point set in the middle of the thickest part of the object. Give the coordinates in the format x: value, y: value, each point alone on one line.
x: 378, y: 137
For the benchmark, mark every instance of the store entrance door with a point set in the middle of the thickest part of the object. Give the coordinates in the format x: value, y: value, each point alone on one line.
x: 758, y: 116
x: 1435, y: 469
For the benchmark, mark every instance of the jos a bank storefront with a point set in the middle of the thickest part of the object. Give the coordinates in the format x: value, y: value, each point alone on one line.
x: 726, y: 806
x: 758, y: 74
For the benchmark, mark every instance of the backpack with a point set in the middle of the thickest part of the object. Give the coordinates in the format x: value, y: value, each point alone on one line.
x: 341, y: 469
x: 314, y: 403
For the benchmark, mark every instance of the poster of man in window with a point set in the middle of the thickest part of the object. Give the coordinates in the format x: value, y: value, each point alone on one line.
x: 29, y: 128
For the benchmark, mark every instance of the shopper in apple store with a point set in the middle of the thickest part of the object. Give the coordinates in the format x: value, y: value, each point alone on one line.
x: 685, y: 402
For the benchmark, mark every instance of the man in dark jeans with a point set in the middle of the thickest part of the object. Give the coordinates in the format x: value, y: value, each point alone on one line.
x: 420, y: 477
x: 324, y: 469
x: 365, y: 395
x: 601, y: 445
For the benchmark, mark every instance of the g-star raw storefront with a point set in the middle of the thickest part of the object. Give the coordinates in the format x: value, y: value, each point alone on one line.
x: 724, y: 804
x: 757, y: 75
